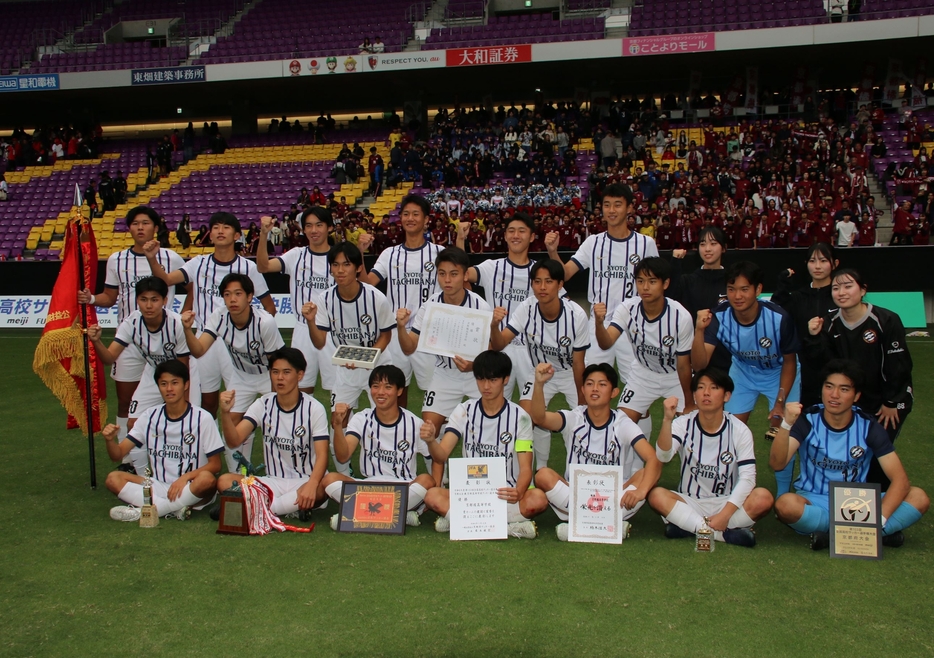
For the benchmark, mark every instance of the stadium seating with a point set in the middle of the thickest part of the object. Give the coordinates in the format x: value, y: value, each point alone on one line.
x: 524, y: 28
x: 25, y: 25
x: 657, y: 17
x: 112, y: 57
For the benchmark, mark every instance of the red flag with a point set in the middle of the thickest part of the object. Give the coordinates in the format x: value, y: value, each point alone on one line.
x: 59, y: 358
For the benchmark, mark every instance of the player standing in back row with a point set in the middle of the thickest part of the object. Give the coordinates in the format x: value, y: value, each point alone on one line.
x: 611, y: 257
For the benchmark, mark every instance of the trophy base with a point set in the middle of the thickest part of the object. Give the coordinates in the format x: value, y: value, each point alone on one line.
x: 148, y: 516
x: 233, y: 518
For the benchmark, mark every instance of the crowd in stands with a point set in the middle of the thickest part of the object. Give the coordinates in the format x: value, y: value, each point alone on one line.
x: 372, y: 47
x: 46, y: 145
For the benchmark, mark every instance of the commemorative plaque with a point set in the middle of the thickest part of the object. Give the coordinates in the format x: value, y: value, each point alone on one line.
x: 855, y: 520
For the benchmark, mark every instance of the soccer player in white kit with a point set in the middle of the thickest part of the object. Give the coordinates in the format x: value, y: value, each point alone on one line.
x: 554, y: 330
x: 184, y: 449
x: 661, y: 333
x: 309, y: 276
x: 159, y: 336
x: 295, y: 437
x: 611, y: 257
x: 250, y: 336
x: 718, y: 467
x: 124, y: 269
x: 506, y: 283
x: 409, y: 272
x: 490, y: 426
x: 594, y: 433
x: 389, y: 438
x: 205, y: 274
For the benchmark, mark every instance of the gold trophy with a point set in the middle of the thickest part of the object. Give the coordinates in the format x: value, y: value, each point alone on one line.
x: 148, y: 515
x: 775, y: 421
x: 704, y: 542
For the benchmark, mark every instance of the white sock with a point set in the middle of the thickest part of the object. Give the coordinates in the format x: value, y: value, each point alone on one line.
x: 333, y: 491
x: 285, y: 504
x: 513, y: 515
x: 132, y: 494
x: 740, y: 520
x: 416, y: 495
x: 645, y: 424
x: 541, y: 440
x: 185, y: 499
x: 341, y: 467
x: 685, y: 518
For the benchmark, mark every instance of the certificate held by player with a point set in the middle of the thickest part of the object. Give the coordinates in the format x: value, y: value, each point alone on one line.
x: 596, y: 515
x: 476, y: 511
x: 454, y: 331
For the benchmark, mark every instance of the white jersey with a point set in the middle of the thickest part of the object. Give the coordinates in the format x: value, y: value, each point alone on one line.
x: 358, y: 321
x: 386, y: 451
x: 206, y: 273
x: 125, y: 268
x: 176, y: 445
x: 551, y: 341
x: 611, y: 444
x: 164, y: 344
x: 249, y: 345
x: 714, y: 464
x: 471, y: 300
x: 309, y: 277
x: 611, y: 263
x: 485, y: 436
x: 289, y: 436
x: 505, y: 284
x: 410, y: 275
x: 656, y: 344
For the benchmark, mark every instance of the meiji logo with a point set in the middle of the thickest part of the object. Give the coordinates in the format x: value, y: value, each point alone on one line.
x: 856, y: 452
x: 668, y: 341
x: 765, y: 343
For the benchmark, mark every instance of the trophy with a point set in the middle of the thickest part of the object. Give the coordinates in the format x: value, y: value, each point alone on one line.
x: 704, y: 542
x: 148, y: 514
x: 233, y: 519
x: 776, y: 420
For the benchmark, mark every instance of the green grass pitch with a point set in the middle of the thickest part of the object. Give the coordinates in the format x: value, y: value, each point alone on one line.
x: 75, y: 583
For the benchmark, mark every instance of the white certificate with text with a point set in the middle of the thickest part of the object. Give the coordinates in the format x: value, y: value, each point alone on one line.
x: 476, y: 511
x: 451, y: 331
x: 596, y: 515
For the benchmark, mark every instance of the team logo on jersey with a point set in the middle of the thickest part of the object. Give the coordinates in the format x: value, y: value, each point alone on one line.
x: 564, y: 341
x: 169, y: 347
x: 765, y: 343
x: 668, y: 341
x: 189, y: 439
x: 254, y: 345
x: 300, y: 432
x: 403, y: 445
x: 365, y: 319
x: 726, y: 457
x: 429, y: 267
x: 505, y: 437
x: 869, y: 336
x: 634, y: 259
x: 856, y: 452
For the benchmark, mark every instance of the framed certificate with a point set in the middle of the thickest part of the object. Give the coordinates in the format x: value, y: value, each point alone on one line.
x: 596, y: 515
x: 373, y: 507
x: 476, y: 511
x: 454, y: 331
x: 855, y: 520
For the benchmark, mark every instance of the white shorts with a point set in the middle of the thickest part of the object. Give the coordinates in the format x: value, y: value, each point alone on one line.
x: 349, y: 384
x: 214, y: 366
x: 710, y: 506
x: 129, y: 365
x: 248, y: 387
x: 319, y: 361
x: 645, y: 387
x: 561, y: 382
x: 422, y: 365
x: 161, y: 489
x: 284, y: 486
x: 621, y: 352
x: 522, y: 370
x: 560, y: 500
x: 448, y: 389
x: 147, y: 393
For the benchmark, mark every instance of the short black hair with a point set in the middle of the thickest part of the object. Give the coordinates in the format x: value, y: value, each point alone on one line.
x: 323, y: 214
x: 225, y: 218
x: 824, y: 249
x: 152, y: 284
x: 492, y: 365
x: 654, y: 266
x: 849, y: 272
x: 746, y: 269
x: 142, y: 210
x: 234, y: 277
x: 418, y: 200
x: 294, y: 357
x: 608, y: 370
x: 523, y: 217
x: 717, y: 376
x: 389, y: 374
x: 846, y: 367
x: 455, y: 256
x: 714, y: 233
x: 554, y: 268
x: 619, y: 190
x: 172, y: 367
x: 351, y: 253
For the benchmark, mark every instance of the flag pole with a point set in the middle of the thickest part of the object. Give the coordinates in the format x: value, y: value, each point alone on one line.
x: 82, y: 283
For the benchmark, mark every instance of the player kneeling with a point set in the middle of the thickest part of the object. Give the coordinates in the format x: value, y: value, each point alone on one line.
x: 491, y: 426
x: 388, y: 437
x: 594, y: 433
x: 837, y: 444
x: 718, y: 467
x: 184, y: 449
x: 295, y: 436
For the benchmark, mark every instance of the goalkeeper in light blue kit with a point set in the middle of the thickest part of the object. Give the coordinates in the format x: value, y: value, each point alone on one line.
x: 761, y: 338
x: 836, y: 443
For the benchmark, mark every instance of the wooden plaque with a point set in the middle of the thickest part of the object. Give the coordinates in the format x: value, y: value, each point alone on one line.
x: 233, y: 519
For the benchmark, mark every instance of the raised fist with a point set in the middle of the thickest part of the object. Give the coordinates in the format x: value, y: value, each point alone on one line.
x: 265, y: 224
x: 679, y: 253
x: 94, y: 332
x: 365, y: 241
x: 402, y: 316
x: 815, y: 325
x: 792, y: 411
x: 227, y: 400
x: 551, y: 241
x: 544, y: 372
x: 703, y: 319
x: 599, y: 312
x: 309, y: 311
x: 427, y: 433
x: 671, y: 407
x: 110, y: 432
x: 341, y: 410
x: 499, y: 314
x: 188, y: 319
x: 151, y: 248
